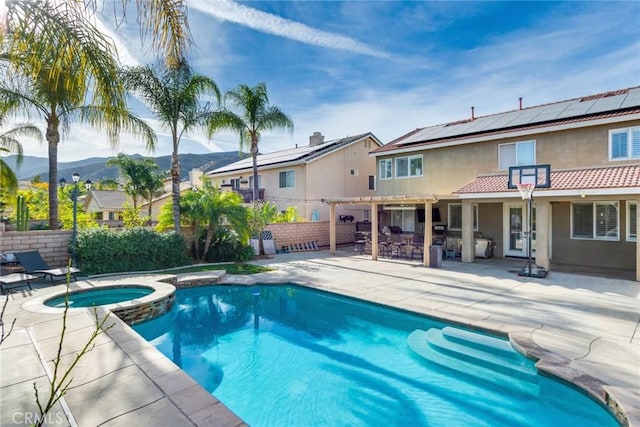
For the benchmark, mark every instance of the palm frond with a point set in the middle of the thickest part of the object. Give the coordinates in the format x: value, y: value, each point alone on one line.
x: 8, y: 178
x: 165, y: 21
x: 114, y: 120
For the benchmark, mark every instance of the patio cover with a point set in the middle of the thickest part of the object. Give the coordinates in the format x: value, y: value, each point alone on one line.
x: 426, y: 200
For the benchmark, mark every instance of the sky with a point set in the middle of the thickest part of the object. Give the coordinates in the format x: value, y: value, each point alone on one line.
x: 348, y: 67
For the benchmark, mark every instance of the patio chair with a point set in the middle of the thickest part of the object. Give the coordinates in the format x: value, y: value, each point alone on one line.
x: 33, y: 263
x: 417, y: 246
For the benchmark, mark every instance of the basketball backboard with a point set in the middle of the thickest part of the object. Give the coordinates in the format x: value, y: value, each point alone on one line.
x: 539, y: 175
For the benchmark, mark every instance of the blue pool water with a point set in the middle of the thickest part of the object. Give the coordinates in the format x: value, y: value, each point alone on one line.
x: 291, y: 356
x: 92, y: 297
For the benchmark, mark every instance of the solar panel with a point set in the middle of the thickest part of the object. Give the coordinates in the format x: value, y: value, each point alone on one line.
x: 543, y: 113
x: 632, y: 99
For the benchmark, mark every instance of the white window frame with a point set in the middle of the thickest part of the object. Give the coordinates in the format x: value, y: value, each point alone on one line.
x: 251, y: 181
x: 385, y: 169
x: 632, y: 221
x: 518, y: 161
x: 290, y: 175
x: 456, y: 228
x: 412, y: 172
x: 594, y: 225
x: 633, y: 145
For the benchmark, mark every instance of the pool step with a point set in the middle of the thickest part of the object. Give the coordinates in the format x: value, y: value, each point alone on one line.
x: 482, y: 358
x: 480, y: 342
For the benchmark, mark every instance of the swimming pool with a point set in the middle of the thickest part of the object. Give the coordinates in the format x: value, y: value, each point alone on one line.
x: 100, y: 296
x: 287, y: 355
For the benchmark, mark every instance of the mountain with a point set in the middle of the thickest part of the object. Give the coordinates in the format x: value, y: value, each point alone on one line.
x: 96, y: 169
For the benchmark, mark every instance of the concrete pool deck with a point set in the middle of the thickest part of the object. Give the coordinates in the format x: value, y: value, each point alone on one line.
x: 585, y: 329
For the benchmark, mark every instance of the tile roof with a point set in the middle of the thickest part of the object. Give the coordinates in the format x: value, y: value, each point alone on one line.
x: 618, y: 103
x: 610, y: 178
x: 302, y: 154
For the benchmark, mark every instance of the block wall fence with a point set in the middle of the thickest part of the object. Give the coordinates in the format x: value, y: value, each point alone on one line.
x: 53, y: 245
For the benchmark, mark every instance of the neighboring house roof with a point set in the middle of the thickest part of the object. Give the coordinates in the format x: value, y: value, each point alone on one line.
x: 577, y: 112
x: 616, y: 179
x: 184, y: 186
x: 109, y: 199
x: 298, y: 155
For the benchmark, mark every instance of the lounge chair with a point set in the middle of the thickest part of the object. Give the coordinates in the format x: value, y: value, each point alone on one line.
x: 33, y: 263
x: 15, y: 280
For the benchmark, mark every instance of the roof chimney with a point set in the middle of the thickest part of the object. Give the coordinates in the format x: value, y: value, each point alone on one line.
x: 520, y: 100
x: 473, y: 113
x: 316, y: 139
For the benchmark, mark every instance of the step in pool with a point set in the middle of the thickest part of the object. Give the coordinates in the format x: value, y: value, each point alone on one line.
x: 480, y: 357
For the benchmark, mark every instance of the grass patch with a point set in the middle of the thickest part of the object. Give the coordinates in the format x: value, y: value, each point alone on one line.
x: 230, y: 268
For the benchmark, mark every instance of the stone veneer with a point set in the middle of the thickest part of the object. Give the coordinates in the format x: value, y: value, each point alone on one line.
x: 145, y: 310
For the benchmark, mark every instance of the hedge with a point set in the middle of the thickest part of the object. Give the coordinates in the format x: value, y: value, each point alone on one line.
x: 136, y: 249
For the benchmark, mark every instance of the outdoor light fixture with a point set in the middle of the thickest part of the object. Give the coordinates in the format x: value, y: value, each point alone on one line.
x: 74, y: 196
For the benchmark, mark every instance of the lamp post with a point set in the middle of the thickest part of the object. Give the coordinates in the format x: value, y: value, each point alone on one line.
x: 74, y: 197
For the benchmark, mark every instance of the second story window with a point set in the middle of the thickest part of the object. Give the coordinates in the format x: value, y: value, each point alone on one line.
x: 287, y: 179
x: 408, y: 166
x: 516, y: 154
x: 624, y: 144
x: 385, y: 169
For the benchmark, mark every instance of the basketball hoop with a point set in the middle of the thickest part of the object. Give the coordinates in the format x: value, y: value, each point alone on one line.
x: 526, y: 190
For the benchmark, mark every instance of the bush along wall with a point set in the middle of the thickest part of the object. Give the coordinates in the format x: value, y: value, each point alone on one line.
x: 101, y: 251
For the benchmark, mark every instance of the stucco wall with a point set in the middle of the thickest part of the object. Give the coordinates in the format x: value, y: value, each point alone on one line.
x: 326, y: 177
x: 597, y: 253
x: 449, y: 168
x: 490, y: 225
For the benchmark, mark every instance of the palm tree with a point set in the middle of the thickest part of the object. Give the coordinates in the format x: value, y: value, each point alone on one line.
x: 152, y: 186
x: 9, y: 143
x: 256, y: 116
x: 173, y: 95
x: 60, y: 67
x: 208, y: 210
x: 141, y: 179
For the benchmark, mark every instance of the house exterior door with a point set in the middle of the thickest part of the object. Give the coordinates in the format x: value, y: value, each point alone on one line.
x: 516, y: 226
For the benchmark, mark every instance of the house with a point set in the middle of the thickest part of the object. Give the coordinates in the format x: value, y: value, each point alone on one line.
x: 195, y: 180
x: 106, y: 206
x: 304, y: 177
x: 588, y: 215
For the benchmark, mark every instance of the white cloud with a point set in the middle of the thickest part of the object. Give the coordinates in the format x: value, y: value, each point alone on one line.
x: 540, y: 64
x: 271, y: 24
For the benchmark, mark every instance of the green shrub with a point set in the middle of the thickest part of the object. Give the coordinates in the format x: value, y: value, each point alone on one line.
x: 137, y: 249
x: 226, y: 247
